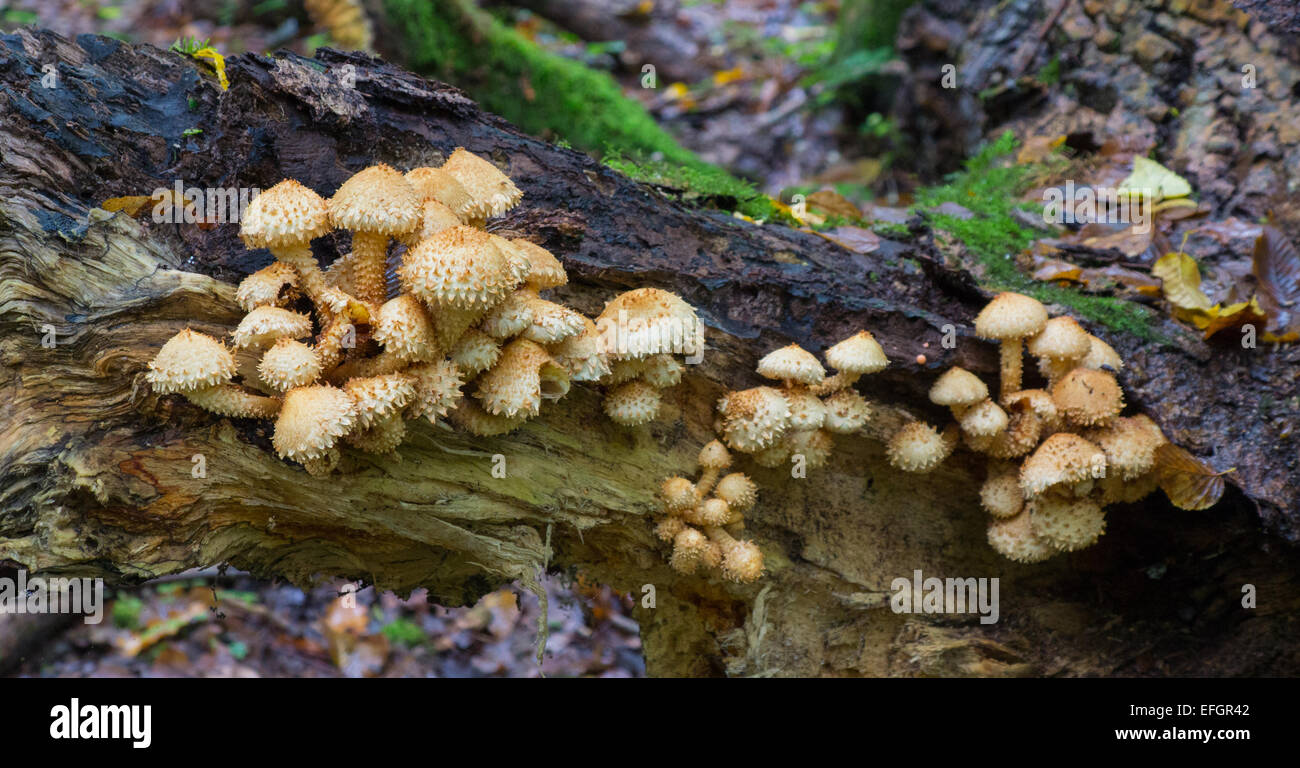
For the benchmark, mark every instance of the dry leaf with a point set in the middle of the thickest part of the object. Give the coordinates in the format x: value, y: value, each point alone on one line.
x: 1038, y: 148
x: 1181, y: 279
x: 1276, y: 266
x: 1148, y: 175
x: 855, y: 239
x: 833, y: 203
x: 1186, y: 480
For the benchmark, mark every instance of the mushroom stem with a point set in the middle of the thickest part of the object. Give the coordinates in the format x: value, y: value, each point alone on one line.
x: 369, y: 263
x: 386, y: 361
x: 329, y: 347
x: 707, y: 478
x: 231, y: 400
x: 1012, y: 359
x: 834, y: 383
x: 310, y: 276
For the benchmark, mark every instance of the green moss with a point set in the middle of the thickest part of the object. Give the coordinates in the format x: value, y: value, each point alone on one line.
x: 988, y: 186
x: 556, y: 98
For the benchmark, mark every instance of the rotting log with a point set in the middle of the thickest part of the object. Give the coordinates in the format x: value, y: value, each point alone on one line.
x: 97, y: 475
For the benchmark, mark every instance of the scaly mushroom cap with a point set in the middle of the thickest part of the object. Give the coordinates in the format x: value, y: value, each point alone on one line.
x: 655, y: 322
x: 661, y: 371
x: 377, y: 200
x: 792, y: 363
x: 814, y: 445
x: 266, y: 325
x: 382, y: 437
x: 742, y: 562
x: 1066, y: 522
x: 582, y: 355
x: 773, y: 457
x: 621, y: 371
x: 690, y: 550
x: 1040, y: 403
x: 491, y: 192
x: 858, y: 354
x: 470, y: 416
x: 677, y: 494
x: 545, y: 271
x: 405, y: 329
x: 1061, y: 339
x: 714, y: 455
x: 917, y: 447
x: 1010, y: 316
x: 632, y: 403
x: 458, y: 267
x: 510, y: 317
x: 1130, y: 444
x: 668, y: 528
x: 552, y: 323
x: 1014, y: 539
x: 379, y: 396
x: 1088, y: 398
x: 1024, y: 429
x: 846, y: 412
x: 437, y: 388
x: 311, y: 420
x: 958, y: 388
x: 289, y: 364
x: 438, y: 185
x: 524, y: 375
x: 1101, y: 355
x: 286, y: 214
x: 434, y: 218
x: 984, y: 419
x: 709, y: 512
x: 475, y: 352
x: 1000, y: 495
x: 190, y: 361
x: 266, y: 287
x: 1062, y: 459
x: 518, y: 261
x: 754, y: 419
x: 737, y: 490
x: 807, y: 411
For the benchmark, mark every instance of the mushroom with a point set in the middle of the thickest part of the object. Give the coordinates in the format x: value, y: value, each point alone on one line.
x: 1014, y: 539
x: 1088, y: 398
x: 807, y: 411
x: 200, y: 368
x: 311, y: 421
x: 375, y: 204
x: 289, y: 364
x: 1130, y: 444
x: 793, y: 365
x: 814, y: 445
x: 407, y: 333
x: 917, y: 447
x: 846, y: 412
x: 265, y: 325
x: 1000, y: 494
x: 958, y: 389
x: 1010, y: 318
x: 753, y: 419
x: 1042, y: 405
x: 677, y: 494
x: 1064, y: 459
x: 742, y: 561
x: 1059, y: 347
x: 648, y: 321
x: 470, y: 416
x: 441, y: 187
x: 738, y: 491
x: 523, y: 375
x: 851, y: 358
x: 713, y: 459
x: 708, y: 512
x: 437, y: 388
x: 1066, y: 522
x: 379, y: 403
x: 490, y: 191
x: 460, y: 274
x: 1101, y: 356
x: 984, y: 419
x: 632, y: 403
x: 691, y: 549
x: 475, y: 352
x: 270, y: 286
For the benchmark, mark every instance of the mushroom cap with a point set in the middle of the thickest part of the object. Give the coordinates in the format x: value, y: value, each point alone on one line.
x: 917, y: 447
x: 1010, y: 316
x: 289, y: 364
x: 190, y: 361
x: 1024, y: 429
x: 491, y: 192
x: 286, y: 214
x: 437, y: 388
x: 1062, y: 338
x: 405, y: 329
x: 792, y: 363
x: 378, y: 200
x: 552, y: 322
x: 1039, y: 402
x: 1014, y: 539
x: 958, y: 387
x: 1130, y: 444
x: 1101, y: 355
x: 524, y: 374
x: 714, y: 455
x: 984, y: 419
x: 677, y: 494
x: 510, y: 316
x: 379, y: 396
x: 1088, y: 398
x: 814, y: 445
x: 858, y: 354
x: 737, y: 490
x: 434, y: 218
x: 311, y: 420
x: 649, y: 321
x: 581, y: 354
x: 470, y: 416
x: 545, y: 270
x: 632, y: 403
x: 266, y: 325
x: 742, y: 562
x: 807, y: 411
x: 661, y: 371
x: 1066, y: 522
x: 773, y: 456
x: 690, y: 549
x: 708, y: 513
x: 1000, y: 494
x: 436, y: 184
x: 1063, y: 458
x: 1116, y: 490
x: 754, y: 419
x: 668, y: 528
x: 846, y: 412
x: 458, y: 267
x: 265, y: 286
x: 475, y: 352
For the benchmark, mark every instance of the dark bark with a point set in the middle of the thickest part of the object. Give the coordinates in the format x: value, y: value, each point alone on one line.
x: 96, y: 478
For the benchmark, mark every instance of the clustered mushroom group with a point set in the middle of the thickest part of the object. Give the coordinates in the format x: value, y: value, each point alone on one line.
x: 469, y: 316
x: 1076, y: 453
x: 702, y: 528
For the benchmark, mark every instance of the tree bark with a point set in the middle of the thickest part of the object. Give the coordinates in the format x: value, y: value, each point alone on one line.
x: 97, y: 476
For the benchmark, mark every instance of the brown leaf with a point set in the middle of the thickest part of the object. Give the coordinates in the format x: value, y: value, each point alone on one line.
x: 1188, y: 482
x: 833, y: 203
x: 855, y: 239
x: 1276, y: 267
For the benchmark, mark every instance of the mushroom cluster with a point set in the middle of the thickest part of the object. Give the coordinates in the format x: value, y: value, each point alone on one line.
x: 1057, y: 456
x: 333, y: 355
x: 703, y: 528
x: 799, y: 418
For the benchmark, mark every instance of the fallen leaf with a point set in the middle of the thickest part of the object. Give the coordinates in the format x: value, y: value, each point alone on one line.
x: 1276, y: 267
x: 1181, y: 280
x: 1188, y: 482
x: 833, y: 203
x: 1150, y: 176
x: 1038, y: 148
x: 131, y: 205
x: 1233, y: 317
x: 855, y: 239
x: 1056, y: 270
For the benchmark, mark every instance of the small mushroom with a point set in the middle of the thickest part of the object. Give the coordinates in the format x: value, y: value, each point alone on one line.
x: 470, y: 416
x: 270, y: 286
x: 1063, y: 459
x: 437, y: 388
x: 648, y: 321
x: 1014, y: 539
x: 1000, y: 494
x: 1066, y: 522
x: 375, y: 204
x: 632, y: 403
x: 677, y: 494
x: 738, y: 491
x: 1059, y: 347
x: 311, y: 421
x: 523, y: 375
x: 1088, y: 398
x: 491, y: 192
x: 1130, y: 444
x: 265, y: 325
x: 460, y: 274
x: 441, y: 187
x: 713, y: 459
x: 917, y: 447
x: 852, y: 358
x: 289, y: 364
x: 200, y: 368
x: 475, y: 352
x: 958, y: 389
x: 984, y: 419
x: 742, y: 561
x: 754, y: 419
x: 1010, y: 318
x: 846, y: 412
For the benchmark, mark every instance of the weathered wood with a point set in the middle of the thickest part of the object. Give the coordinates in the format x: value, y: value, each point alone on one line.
x: 96, y: 473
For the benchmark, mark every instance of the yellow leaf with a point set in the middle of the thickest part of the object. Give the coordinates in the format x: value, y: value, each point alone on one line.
x: 677, y: 90
x: 218, y: 63
x: 1188, y: 482
x: 728, y: 75
x: 129, y: 205
x: 1150, y: 176
x: 1039, y: 148
x: 1181, y: 281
